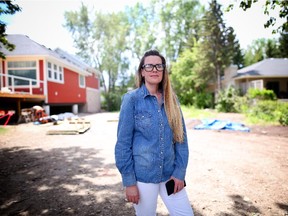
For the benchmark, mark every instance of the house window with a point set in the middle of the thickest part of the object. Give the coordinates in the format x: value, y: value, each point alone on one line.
x: 82, y: 81
x: 256, y: 84
x: 25, y: 69
x: 55, y: 72
x: 60, y: 73
x: 49, y: 70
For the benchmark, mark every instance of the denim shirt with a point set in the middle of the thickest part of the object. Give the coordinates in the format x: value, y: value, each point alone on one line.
x: 145, y: 150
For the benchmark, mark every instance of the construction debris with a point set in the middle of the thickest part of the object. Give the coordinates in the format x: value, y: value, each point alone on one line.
x: 70, y: 127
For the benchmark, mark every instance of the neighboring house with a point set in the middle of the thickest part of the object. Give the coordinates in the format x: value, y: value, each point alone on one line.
x: 31, y: 70
x: 270, y: 74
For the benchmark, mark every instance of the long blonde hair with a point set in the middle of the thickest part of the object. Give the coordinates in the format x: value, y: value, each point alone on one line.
x: 171, y: 105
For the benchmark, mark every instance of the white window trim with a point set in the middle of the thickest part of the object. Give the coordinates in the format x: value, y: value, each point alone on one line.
x: 58, y: 72
x: 84, y: 80
x: 37, y: 85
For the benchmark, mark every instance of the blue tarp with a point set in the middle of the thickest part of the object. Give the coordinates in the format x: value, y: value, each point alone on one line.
x: 214, y: 124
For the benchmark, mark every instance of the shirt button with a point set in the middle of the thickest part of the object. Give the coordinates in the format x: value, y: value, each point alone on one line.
x: 160, y: 166
x: 158, y: 111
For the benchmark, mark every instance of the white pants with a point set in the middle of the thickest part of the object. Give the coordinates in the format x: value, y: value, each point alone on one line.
x: 177, y: 204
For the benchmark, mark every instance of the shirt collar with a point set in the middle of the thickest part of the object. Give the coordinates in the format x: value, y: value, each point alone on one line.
x: 144, y: 91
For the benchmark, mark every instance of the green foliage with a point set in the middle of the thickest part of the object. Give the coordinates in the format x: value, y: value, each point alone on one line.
x: 261, y: 94
x: 202, y: 100
x: 269, y: 111
x: 255, y: 52
x: 3, y: 130
x: 192, y: 112
x: 226, y: 100
x: 269, y: 6
x: 283, y: 114
x: 261, y: 106
x: 111, y: 102
x: 241, y: 104
x: 189, y: 87
x: 6, y: 7
x: 183, y: 76
x: 102, y: 41
x: 217, y: 46
x: 272, y: 50
x: 178, y: 31
x: 266, y: 48
x: 283, y: 45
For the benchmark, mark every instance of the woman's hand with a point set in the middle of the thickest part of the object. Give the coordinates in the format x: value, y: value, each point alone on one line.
x: 179, y: 184
x: 132, y: 194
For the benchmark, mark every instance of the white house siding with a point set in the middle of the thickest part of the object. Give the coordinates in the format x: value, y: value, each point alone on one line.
x: 93, y: 104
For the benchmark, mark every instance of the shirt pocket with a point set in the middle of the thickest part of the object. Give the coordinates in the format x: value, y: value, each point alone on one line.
x: 143, y: 121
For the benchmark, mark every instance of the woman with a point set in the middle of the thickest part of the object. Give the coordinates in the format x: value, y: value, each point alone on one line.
x: 151, y: 143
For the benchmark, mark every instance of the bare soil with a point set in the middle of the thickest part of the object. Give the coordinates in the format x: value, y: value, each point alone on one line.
x: 229, y: 172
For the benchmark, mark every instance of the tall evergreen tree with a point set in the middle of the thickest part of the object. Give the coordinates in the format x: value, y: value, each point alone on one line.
x: 283, y: 45
x: 237, y: 54
x: 217, y: 45
x: 272, y: 49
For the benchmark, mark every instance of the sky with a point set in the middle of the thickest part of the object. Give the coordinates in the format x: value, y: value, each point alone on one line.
x: 43, y: 20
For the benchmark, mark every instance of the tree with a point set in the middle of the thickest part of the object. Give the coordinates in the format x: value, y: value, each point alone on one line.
x: 255, y: 52
x: 233, y: 43
x: 186, y: 79
x: 183, y: 77
x: 265, y: 48
x: 6, y: 7
x: 216, y: 45
x: 142, y: 29
x: 179, y: 25
x: 269, y: 6
x: 102, y: 42
x: 283, y: 45
x: 272, y: 49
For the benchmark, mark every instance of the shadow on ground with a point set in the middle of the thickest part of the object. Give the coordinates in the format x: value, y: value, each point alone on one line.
x: 70, y: 185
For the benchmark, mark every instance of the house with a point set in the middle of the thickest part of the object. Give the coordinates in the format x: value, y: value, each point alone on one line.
x: 54, y: 79
x: 269, y: 73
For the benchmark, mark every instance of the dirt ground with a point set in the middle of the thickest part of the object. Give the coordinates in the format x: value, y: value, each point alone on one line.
x: 229, y: 172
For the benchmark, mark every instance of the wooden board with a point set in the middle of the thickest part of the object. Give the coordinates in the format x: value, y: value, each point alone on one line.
x: 70, y: 127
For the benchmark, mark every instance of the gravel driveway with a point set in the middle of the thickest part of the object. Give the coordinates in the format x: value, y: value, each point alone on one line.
x: 229, y: 173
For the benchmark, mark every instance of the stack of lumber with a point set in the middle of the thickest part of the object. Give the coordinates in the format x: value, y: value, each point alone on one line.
x: 70, y: 127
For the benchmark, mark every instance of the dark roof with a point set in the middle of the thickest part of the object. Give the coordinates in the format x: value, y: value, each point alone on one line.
x: 25, y: 46
x: 272, y: 67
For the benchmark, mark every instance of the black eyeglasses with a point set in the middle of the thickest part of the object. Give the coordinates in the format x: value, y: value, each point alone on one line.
x: 150, y: 67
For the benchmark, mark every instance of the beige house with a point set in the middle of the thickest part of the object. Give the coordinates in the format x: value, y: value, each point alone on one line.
x: 269, y: 74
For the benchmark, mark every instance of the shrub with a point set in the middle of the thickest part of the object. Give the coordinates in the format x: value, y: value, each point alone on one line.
x: 241, y: 104
x: 111, y: 101
x: 203, y: 100
x: 261, y: 94
x: 269, y: 111
x: 263, y: 111
x: 226, y: 100
x: 283, y: 114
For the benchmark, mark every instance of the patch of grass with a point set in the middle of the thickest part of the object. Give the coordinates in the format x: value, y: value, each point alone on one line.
x: 3, y: 130
x: 254, y: 120
x: 192, y: 112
